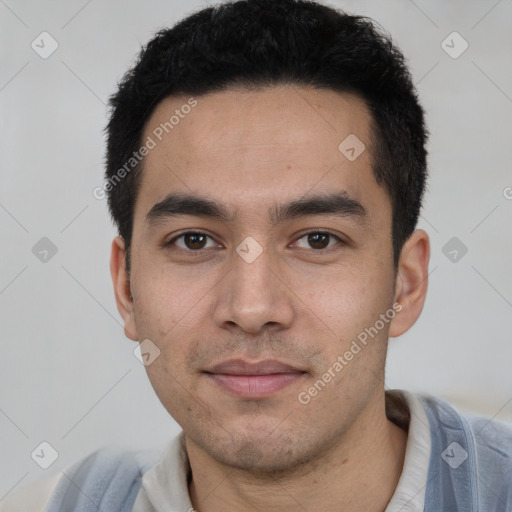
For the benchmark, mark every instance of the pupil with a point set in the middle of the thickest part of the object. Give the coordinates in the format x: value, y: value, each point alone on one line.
x: 317, y: 240
x: 195, y: 241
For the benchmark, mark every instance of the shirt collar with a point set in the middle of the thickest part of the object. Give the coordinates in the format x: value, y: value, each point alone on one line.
x: 166, y: 483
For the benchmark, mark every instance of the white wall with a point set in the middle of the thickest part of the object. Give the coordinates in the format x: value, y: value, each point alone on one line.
x: 68, y: 375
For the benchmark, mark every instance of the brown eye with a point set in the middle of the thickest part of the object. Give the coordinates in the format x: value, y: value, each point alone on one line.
x: 319, y: 240
x: 194, y: 240
x: 191, y: 241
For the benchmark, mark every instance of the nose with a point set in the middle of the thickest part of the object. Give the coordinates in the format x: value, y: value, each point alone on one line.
x: 253, y: 296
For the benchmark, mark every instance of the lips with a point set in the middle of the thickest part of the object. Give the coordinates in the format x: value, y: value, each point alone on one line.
x: 253, y: 379
x: 241, y: 367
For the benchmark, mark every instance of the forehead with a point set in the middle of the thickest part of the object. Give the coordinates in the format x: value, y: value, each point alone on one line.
x: 250, y: 148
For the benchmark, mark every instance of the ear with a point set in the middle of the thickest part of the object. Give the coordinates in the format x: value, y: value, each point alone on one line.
x: 122, y: 290
x: 411, y: 282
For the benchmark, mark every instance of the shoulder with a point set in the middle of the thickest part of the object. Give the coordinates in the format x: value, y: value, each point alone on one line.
x: 111, y: 472
x: 490, y: 438
x: 471, y: 459
x: 493, y: 443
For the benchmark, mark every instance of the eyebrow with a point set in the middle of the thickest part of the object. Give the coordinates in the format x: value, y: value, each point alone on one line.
x: 175, y: 205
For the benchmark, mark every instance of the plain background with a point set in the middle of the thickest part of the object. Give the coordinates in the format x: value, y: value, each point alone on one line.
x: 68, y: 375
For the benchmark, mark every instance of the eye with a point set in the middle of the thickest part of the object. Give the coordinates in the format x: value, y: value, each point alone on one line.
x: 191, y: 241
x: 319, y: 240
x: 195, y: 241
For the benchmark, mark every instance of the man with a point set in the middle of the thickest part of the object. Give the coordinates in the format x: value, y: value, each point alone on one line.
x: 265, y: 168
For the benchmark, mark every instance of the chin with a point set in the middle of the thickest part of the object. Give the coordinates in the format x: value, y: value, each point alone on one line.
x: 258, y: 458
x: 263, y: 450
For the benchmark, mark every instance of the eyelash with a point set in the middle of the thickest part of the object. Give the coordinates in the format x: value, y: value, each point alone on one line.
x: 172, y: 242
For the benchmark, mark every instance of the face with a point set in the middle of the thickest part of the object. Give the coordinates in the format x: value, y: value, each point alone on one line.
x: 260, y: 253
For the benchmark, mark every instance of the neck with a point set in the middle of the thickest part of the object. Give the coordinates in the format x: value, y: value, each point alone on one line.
x: 360, y: 473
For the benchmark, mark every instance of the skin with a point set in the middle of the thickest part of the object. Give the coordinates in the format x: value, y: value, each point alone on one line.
x: 297, y: 302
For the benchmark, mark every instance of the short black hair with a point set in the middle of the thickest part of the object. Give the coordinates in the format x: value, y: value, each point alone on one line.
x: 262, y: 43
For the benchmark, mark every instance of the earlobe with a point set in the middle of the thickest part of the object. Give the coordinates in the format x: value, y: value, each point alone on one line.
x: 122, y: 291
x: 411, y: 282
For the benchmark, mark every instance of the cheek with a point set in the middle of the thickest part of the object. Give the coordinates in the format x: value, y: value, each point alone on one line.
x: 343, y: 293
x: 348, y: 302
x: 170, y: 310
x: 167, y: 299
x: 177, y: 392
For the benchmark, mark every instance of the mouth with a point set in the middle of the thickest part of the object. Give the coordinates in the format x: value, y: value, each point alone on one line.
x: 254, y: 380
